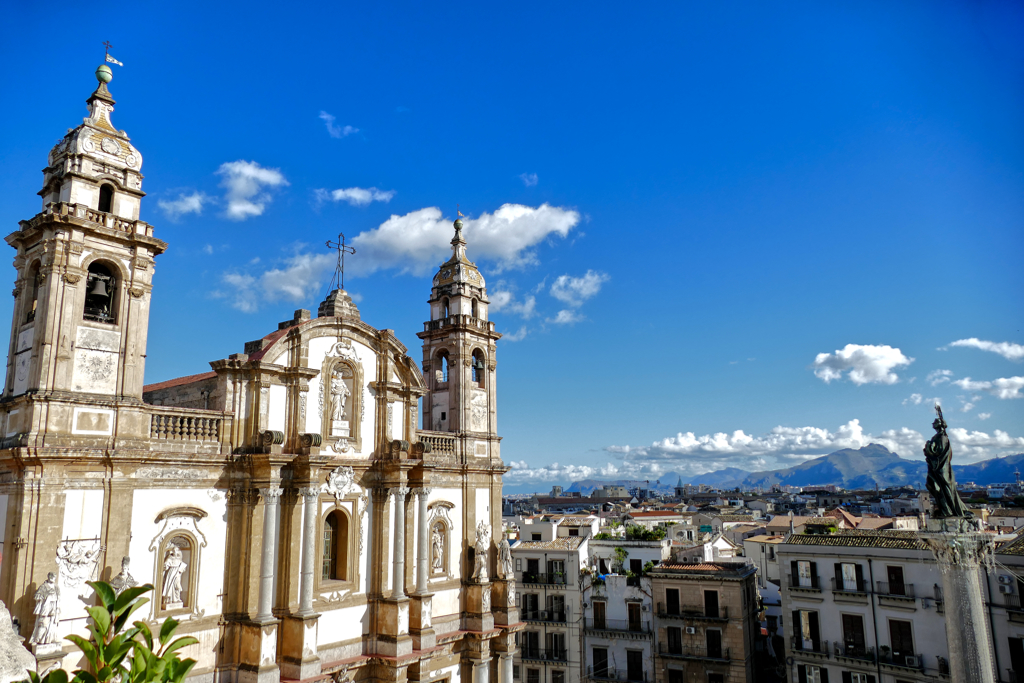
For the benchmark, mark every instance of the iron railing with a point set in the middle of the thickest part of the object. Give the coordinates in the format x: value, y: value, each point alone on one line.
x: 557, y: 579
x: 543, y: 654
x: 544, y: 615
x: 617, y: 625
x: 606, y: 673
x: 851, y: 586
x: 806, y: 582
x: 797, y: 644
x: 693, y: 651
x: 692, y: 612
x: 895, y: 590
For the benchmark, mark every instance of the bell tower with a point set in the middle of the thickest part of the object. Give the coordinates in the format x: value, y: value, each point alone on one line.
x: 85, y: 268
x: 459, y: 349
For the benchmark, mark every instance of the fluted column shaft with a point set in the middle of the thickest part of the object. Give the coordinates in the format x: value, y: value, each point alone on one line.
x: 310, y: 497
x: 398, y: 578
x: 423, y: 541
x: 268, y: 561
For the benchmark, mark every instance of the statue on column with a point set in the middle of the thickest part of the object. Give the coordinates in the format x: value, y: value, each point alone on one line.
x: 505, y: 559
x: 941, y: 482
x: 482, y: 547
x: 124, y: 579
x: 47, y: 612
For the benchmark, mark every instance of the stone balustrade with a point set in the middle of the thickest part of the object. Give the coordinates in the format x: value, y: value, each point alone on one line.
x: 178, y: 424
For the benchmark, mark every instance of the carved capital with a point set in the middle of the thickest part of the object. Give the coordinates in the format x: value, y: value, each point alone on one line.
x: 136, y: 291
x: 272, y: 494
x: 423, y: 491
x: 399, y: 491
x: 72, y: 278
x: 16, y: 292
x: 310, y: 494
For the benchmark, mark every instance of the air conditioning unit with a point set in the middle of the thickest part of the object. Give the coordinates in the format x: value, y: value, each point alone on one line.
x: 912, y: 661
x: 1005, y: 579
x: 645, y: 608
x: 690, y: 630
x: 586, y: 605
x: 1006, y: 590
x: 544, y: 615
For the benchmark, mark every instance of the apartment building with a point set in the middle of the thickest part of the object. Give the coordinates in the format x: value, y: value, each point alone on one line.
x: 864, y: 607
x: 1003, y: 592
x: 548, y: 578
x: 705, y: 623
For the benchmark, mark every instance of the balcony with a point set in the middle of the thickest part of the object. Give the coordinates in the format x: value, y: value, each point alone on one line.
x: 539, y: 654
x: 895, y: 590
x: 817, y: 648
x: 858, y: 652
x: 804, y: 583
x: 533, y: 578
x: 545, y: 616
x: 608, y: 674
x: 851, y: 586
x: 902, y: 660
x: 623, y: 625
x: 693, y: 651
x: 695, y: 612
x: 1012, y: 602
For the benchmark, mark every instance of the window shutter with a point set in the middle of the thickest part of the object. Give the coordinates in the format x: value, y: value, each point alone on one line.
x: 824, y: 674
x: 796, y: 624
x: 860, y: 577
x: 847, y: 677
x: 814, y: 574
x: 796, y: 572
x: 839, y: 574
x: 801, y: 673
x: 815, y: 636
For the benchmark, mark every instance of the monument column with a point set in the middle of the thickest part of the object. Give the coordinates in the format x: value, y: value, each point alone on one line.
x: 268, y: 562
x: 423, y: 541
x: 423, y: 636
x: 299, y: 659
x: 398, y: 575
x: 311, y: 496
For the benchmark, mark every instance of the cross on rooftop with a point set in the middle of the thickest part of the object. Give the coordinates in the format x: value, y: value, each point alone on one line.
x: 107, y: 46
x: 338, y: 281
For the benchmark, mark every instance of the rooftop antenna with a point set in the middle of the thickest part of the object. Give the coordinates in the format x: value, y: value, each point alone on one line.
x: 338, y: 280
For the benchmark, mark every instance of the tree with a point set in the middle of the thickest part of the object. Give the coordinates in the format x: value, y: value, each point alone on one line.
x: 127, y: 655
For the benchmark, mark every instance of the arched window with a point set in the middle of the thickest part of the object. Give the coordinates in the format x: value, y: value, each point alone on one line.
x: 100, y: 288
x: 106, y: 198
x: 473, y: 307
x: 176, y: 572
x: 33, y: 292
x: 478, y: 368
x: 444, y: 307
x: 441, y: 374
x: 335, y: 551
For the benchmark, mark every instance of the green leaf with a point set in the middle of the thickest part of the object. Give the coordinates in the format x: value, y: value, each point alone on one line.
x: 184, y: 641
x: 86, y: 646
x: 106, y: 593
x: 85, y: 677
x: 167, y: 629
x: 128, y: 596
x: 105, y: 674
x: 101, y: 618
x: 56, y: 676
x: 123, y: 619
x: 181, y: 670
x: 143, y: 628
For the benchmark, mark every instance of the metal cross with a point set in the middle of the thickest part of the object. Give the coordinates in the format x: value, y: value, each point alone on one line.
x: 339, y: 271
x: 107, y: 45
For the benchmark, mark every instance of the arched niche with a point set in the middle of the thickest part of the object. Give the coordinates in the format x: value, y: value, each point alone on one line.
x: 341, y: 397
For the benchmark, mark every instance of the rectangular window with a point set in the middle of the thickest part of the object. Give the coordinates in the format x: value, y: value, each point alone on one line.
x: 675, y: 640
x: 675, y: 676
x: 813, y: 675
x: 574, y: 532
x: 1017, y: 657
x: 519, y: 564
x: 535, y: 537
x: 853, y: 635
x: 711, y: 603
x: 602, y: 566
x: 533, y: 676
x: 716, y: 678
x: 636, y: 566
x: 714, y: 643
x: 557, y: 676
x: 895, y: 576
x: 805, y: 628
x: 599, y: 613
x: 633, y: 615
x: 531, y: 644
x: 556, y: 646
x: 804, y: 573
x: 515, y: 672
x: 556, y: 605
x: 556, y: 571
x: 671, y: 601
x: 600, y: 662
x: 901, y: 639
x: 849, y: 576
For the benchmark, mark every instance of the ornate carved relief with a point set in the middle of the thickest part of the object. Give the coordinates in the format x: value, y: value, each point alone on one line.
x: 340, y: 482
x: 72, y: 278
x: 363, y: 505
x: 77, y: 561
x: 341, y: 377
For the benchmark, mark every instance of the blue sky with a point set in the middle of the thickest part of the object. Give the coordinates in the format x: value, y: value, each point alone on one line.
x: 728, y: 234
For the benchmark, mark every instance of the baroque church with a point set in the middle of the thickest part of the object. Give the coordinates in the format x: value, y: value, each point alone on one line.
x: 287, y: 506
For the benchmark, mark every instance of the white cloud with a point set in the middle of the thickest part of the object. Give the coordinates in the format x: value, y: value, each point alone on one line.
x: 518, y: 335
x: 573, y: 291
x: 984, y: 416
x: 521, y: 472
x: 297, y: 280
x: 1007, y: 350
x: 419, y: 241
x: 184, y: 204
x: 529, y: 179
x: 336, y: 131
x: 504, y: 300
x: 865, y: 364
x: 247, y: 183
x: 208, y: 249
x: 1004, y: 387
x: 914, y: 398
x: 356, y: 196
x: 937, y: 377
x: 566, y: 317
x: 967, y: 407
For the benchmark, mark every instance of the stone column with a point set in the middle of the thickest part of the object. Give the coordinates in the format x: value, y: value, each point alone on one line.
x: 423, y: 533
x: 961, y: 548
x: 311, y: 496
x: 268, y: 562
x: 504, y: 668
x: 398, y: 576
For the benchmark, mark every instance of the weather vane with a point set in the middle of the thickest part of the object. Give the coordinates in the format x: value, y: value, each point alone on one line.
x: 106, y: 53
x: 338, y: 281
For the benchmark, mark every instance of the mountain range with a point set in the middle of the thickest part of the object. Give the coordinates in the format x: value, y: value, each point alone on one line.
x: 849, y: 468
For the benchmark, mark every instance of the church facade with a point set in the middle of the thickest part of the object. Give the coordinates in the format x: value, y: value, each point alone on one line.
x: 287, y: 506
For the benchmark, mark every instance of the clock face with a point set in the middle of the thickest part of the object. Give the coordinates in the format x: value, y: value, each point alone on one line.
x: 110, y: 146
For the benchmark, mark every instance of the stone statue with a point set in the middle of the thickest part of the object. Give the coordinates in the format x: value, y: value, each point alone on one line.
x: 47, y: 612
x: 77, y: 561
x: 437, y: 550
x: 339, y: 395
x: 941, y: 483
x: 505, y: 558
x: 483, y: 545
x: 174, y: 569
x: 124, y: 579
x: 15, y: 660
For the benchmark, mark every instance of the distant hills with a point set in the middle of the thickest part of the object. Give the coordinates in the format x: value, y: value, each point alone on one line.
x: 849, y: 468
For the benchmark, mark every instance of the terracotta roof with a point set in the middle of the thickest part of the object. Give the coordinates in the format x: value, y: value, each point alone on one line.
x: 701, y: 567
x: 655, y: 513
x: 766, y: 539
x: 1014, y: 547
x: 1007, y: 512
x: 577, y: 521
x: 271, y: 339
x: 862, y: 538
x: 874, y: 523
x: 562, y: 543
x: 178, y: 381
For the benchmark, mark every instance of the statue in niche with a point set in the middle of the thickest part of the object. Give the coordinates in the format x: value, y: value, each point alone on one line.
x: 437, y: 550
x: 174, y: 569
x: 483, y: 533
x: 941, y: 482
x: 339, y: 395
x: 124, y: 579
x: 47, y: 611
x: 505, y: 558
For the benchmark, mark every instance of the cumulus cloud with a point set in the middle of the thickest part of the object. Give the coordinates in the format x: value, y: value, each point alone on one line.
x: 247, y: 186
x: 1007, y: 350
x: 356, y: 196
x: 937, y: 377
x: 573, y: 291
x: 913, y: 398
x: 184, y: 204
x: 334, y: 130
x: 505, y: 300
x: 566, y: 317
x: 419, y: 241
x: 521, y: 472
x: 518, y: 335
x: 1004, y: 387
x: 296, y: 280
x: 984, y: 416
x: 529, y: 179
x: 863, y: 364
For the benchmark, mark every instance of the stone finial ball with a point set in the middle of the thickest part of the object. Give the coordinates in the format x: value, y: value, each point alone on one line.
x: 104, y: 74
x: 458, y: 223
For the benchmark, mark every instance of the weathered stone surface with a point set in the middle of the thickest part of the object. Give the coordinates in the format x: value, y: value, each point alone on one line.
x: 15, y: 660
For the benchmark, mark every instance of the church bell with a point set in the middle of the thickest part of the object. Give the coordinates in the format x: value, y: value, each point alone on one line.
x: 99, y: 289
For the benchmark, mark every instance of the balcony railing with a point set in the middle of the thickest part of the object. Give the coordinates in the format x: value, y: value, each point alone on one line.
x: 440, y: 443
x: 895, y: 590
x: 693, y: 651
x: 851, y: 586
x: 609, y: 674
x: 617, y: 625
x: 800, y: 645
x: 543, y: 654
x: 805, y: 582
x: 904, y: 660
x: 543, y: 579
x: 866, y: 653
x: 692, y: 612
x: 544, y: 615
x: 185, y: 424
x: 1012, y: 602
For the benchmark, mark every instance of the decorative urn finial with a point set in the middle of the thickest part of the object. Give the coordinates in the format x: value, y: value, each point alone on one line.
x: 104, y: 74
